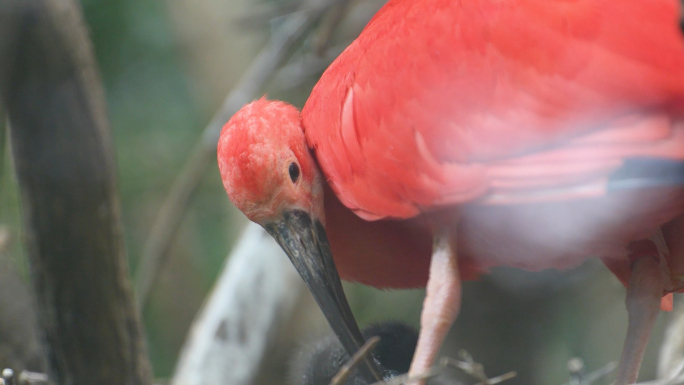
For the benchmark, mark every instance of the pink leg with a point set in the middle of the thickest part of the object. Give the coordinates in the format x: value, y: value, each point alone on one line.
x: 643, y: 305
x: 442, y: 303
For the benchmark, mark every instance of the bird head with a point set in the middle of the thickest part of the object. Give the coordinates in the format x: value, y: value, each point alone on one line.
x: 271, y: 176
x: 265, y: 164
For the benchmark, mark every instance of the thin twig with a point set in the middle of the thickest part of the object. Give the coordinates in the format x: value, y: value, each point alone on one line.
x: 595, y: 375
x: 600, y: 373
x: 474, y: 369
x: 356, y: 359
x: 186, y: 184
x: 467, y: 365
x: 498, y: 379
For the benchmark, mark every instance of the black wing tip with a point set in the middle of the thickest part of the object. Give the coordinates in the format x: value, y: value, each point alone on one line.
x: 637, y: 173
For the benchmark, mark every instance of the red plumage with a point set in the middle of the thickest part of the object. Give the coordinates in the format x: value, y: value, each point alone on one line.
x: 529, y: 105
x: 524, y: 133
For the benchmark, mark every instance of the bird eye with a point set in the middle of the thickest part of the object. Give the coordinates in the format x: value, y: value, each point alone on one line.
x: 294, y: 172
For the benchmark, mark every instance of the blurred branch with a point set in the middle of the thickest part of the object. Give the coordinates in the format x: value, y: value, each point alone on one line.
x: 328, y: 25
x: 24, y: 378
x: 31, y: 378
x: 303, y: 67
x: 186, y: 184
x: 253, y: 298
x: 263, y: 14
x: 51, y: 91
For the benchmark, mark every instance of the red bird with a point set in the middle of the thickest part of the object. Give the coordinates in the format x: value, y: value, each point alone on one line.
x: 525, y: 133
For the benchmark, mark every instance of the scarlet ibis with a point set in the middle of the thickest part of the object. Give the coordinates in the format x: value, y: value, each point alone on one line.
x: 525, y: 133
x: 318, y: 364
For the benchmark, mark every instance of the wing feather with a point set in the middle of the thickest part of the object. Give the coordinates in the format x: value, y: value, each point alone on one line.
x: 442, y: 102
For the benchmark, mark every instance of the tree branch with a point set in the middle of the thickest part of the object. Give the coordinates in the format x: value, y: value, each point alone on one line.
x: 253, y: 298
x: 64, y: 161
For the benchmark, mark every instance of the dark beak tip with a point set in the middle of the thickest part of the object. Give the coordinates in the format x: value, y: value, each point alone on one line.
x: 305, y: 242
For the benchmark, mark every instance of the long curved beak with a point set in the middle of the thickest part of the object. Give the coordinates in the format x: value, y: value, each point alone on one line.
x: 306, y: 244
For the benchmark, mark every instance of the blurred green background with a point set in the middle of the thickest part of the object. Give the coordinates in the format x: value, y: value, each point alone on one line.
x: 166, y: 67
